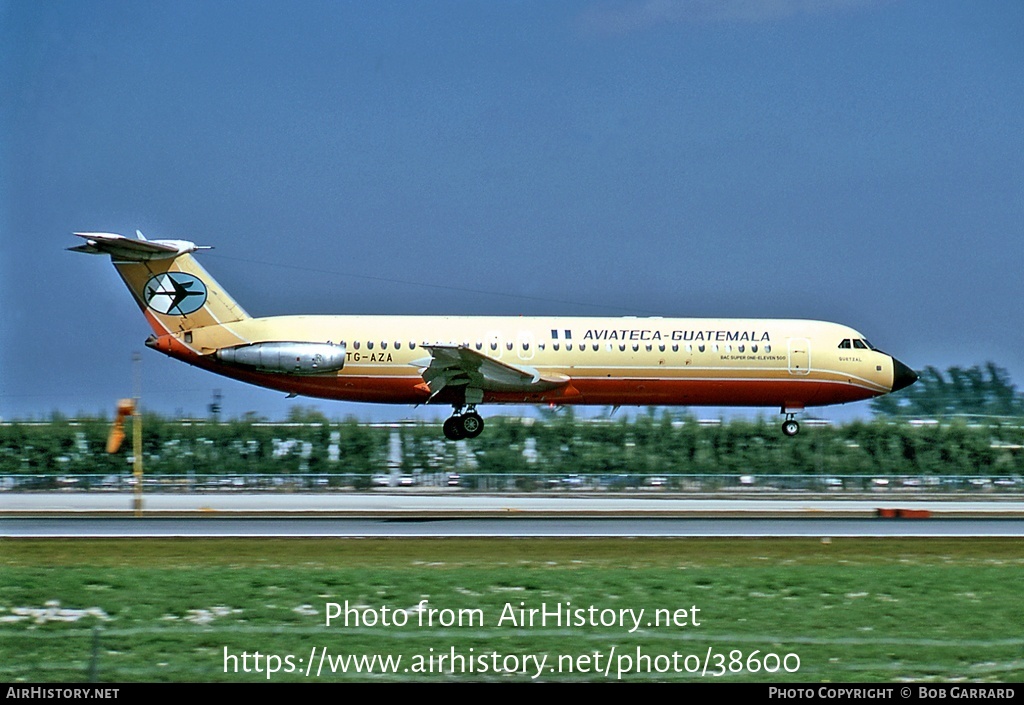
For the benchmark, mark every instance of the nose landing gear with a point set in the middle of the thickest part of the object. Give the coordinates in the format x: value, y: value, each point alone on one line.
x: 790, y: 427
x: 461, y: 424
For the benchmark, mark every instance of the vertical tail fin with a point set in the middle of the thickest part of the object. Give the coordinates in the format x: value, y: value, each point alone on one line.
x: 173, y: 290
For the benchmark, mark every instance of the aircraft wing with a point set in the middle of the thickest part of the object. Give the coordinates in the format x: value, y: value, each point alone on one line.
x: 458, y: 365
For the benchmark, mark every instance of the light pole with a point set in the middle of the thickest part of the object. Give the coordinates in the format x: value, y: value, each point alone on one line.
x: 137, y: 430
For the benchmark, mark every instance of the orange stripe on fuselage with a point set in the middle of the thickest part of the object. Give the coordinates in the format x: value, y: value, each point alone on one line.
x: 807, y: 390
x: 608, y: 392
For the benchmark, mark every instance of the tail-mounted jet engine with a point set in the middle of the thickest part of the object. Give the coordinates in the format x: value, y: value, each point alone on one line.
x: 286, y: 358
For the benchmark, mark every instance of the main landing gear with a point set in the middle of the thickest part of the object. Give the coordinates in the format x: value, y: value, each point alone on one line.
x: 790, y: 427
x: 463, y: 425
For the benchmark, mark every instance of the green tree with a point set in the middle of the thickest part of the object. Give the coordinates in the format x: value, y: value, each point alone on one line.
x: 981, y: 390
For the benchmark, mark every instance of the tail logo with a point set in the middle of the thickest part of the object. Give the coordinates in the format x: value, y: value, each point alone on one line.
x: 175, y: 293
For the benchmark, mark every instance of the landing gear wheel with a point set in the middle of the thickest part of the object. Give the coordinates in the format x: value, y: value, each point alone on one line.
x: 790, y: 427
x: 471, y: 424
x: 453, y: 428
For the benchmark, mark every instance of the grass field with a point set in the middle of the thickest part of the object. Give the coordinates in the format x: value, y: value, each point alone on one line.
x: 787, y: 610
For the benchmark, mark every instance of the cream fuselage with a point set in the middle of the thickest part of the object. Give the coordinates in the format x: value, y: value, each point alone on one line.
x: 608, y: 361
x: 465, y: 361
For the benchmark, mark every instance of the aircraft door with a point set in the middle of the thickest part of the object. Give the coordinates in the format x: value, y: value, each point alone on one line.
x: 799, y: 356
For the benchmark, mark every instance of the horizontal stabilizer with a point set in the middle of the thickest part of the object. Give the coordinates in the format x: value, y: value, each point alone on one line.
x: 128, y: 250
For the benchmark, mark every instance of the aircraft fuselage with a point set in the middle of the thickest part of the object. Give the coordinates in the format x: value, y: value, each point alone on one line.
x: 608, y: 361
x: 468, y: 360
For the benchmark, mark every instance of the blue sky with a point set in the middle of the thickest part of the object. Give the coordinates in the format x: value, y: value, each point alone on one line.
x: 844, y: 160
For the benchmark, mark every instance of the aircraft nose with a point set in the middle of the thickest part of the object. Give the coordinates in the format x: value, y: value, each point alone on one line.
x: 902, y: 376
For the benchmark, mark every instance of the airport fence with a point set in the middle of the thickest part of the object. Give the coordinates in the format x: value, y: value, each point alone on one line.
x: 516, y: 482
x: 655, y: 444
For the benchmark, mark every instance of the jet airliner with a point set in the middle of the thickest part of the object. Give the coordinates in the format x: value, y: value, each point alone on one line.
x: 465, y: 361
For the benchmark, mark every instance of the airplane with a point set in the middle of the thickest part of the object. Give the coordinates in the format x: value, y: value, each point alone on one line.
x: 465, y: 361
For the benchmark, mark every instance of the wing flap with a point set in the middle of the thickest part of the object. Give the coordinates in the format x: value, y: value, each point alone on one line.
x: 458, y: 365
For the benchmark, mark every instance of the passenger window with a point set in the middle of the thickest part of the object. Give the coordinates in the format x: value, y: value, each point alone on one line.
x: 595, y: 346
x: 753, y: 348
x: 622, y: 347
x: 636, y: 347
x: 700, y: 347
x: 675, y: 347
x: 369, y: 345
x: 661, y: 347
x: 494, y: 346
x: 412, y: 345
x: 767, y: 348
x: 383, y: 345
x: 356, y: 345
x: 398, y: 345
x: 741, y: 348
x: 479, y: 345
x: 508, y: 346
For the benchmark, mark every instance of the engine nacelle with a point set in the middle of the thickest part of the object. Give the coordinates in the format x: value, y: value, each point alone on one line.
x: 286, y: 358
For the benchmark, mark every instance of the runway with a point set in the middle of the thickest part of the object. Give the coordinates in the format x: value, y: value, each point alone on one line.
x: 509, y: 527
x: 111, y: 515
x: 398, y: 505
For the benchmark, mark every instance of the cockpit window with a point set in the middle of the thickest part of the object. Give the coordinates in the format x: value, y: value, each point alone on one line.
x: 858, y: 343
